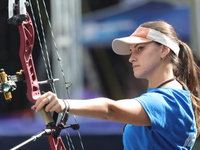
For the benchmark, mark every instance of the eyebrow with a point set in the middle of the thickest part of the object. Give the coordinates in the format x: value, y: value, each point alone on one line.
x: 136, y: 45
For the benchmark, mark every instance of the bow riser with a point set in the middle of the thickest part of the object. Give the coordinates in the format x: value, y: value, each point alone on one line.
x: 26, y: 31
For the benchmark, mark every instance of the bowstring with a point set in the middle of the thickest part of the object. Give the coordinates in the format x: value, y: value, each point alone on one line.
x: 46, y: 60
x: 45, y: 54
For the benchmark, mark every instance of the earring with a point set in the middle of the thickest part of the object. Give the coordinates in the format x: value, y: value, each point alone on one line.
x: 163, y: 58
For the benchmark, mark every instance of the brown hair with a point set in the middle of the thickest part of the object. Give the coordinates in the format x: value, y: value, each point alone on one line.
x: 184, y: 67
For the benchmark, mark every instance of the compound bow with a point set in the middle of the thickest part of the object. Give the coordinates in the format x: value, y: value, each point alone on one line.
x: 19, y: 16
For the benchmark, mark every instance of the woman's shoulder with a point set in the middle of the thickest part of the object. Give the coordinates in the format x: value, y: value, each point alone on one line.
x: 183, y: 90
x: 170, y: 94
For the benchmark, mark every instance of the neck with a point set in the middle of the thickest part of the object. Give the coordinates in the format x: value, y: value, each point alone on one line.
x: 160, y: 75
x: 165, y: 82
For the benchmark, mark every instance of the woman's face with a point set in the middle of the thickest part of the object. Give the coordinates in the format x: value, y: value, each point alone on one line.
x: 145, y: 59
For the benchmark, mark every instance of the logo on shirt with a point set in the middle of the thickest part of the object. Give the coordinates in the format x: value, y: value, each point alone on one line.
x: 189, y: 142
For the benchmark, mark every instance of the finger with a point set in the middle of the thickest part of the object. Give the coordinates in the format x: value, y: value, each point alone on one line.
x: 56, y: 108
x: 43, y: 103
x: 41, y: 98
x: 33, y: 107
x: 49, y: 99
x: 49, y: 106
x: 56, y: 105
x: 45, y: 100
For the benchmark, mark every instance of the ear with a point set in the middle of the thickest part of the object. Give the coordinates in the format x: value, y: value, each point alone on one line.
x: 164, y: 51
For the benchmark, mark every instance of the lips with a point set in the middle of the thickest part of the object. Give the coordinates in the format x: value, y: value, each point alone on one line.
x: 135, y: 66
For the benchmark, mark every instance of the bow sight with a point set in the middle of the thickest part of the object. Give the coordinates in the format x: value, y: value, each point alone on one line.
x: 7, y: 83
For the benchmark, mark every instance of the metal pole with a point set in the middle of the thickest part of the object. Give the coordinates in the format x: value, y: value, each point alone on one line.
x: 66, y: 24
x: 195, y: 22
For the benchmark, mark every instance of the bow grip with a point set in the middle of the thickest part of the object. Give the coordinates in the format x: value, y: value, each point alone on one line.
x: 48, y: 119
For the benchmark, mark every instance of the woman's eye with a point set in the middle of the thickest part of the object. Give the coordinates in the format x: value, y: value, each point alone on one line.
x: 140, y: 48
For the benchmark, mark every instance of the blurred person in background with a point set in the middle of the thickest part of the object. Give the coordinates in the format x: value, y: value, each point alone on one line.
x: 167, y: 115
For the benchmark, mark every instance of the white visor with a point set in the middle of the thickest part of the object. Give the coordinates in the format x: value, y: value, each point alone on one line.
x: 121, y: 46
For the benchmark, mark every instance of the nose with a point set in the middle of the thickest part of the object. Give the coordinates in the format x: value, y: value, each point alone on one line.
x: 132, y: 58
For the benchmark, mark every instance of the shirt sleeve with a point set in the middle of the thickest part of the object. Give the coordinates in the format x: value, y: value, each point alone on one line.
x: 161, y: 110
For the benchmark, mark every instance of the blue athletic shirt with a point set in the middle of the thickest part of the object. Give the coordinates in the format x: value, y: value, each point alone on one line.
x: 172, y: 118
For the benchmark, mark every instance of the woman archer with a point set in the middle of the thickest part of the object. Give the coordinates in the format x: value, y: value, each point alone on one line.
x: 167, y: 115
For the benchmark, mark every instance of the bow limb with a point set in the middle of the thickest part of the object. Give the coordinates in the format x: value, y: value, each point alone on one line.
x: 26, y: 31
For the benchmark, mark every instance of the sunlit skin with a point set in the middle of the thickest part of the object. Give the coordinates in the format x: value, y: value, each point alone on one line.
x: 148, y: 63
x: 145, y: 59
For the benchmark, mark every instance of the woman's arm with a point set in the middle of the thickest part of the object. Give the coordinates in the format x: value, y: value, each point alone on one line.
x: 128, y: 111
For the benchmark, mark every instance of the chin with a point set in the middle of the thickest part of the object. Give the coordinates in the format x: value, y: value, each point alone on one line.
x: 139, y: 76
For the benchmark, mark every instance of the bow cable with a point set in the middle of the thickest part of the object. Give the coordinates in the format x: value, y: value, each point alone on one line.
x: 45, y: 54
x: 46, y: 60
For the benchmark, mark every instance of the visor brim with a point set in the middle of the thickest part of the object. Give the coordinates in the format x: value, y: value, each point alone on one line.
x: 121, y: 46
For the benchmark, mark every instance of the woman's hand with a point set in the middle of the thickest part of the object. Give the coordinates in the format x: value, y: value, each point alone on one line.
x: 51, y: 103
